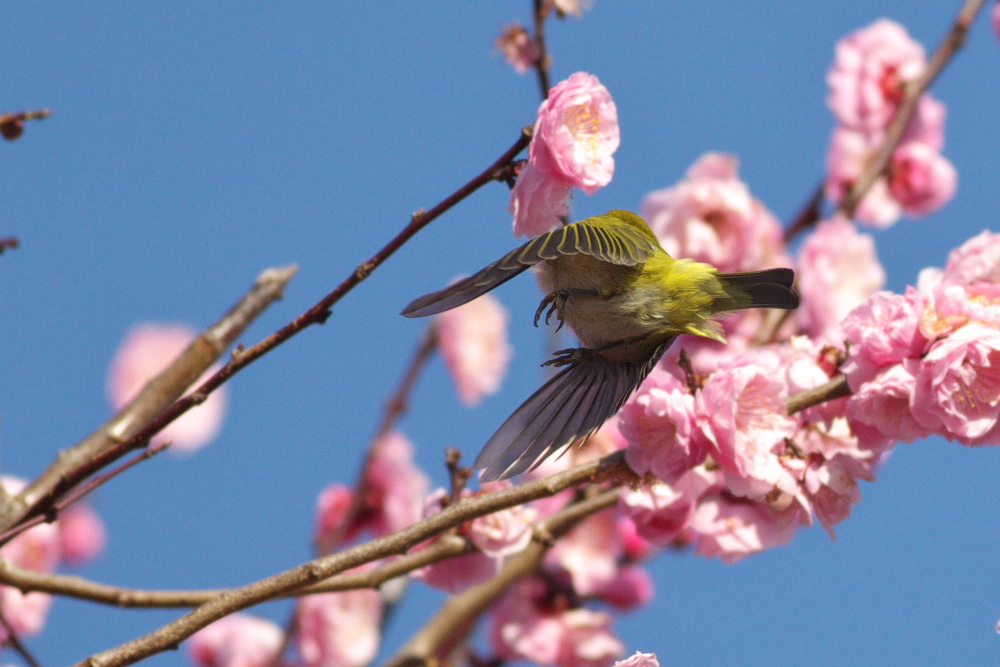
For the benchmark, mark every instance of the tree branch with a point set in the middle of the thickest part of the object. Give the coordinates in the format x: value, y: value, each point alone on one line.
x: 834, y: 389
x: 12, y: 124
x: 542, y: 65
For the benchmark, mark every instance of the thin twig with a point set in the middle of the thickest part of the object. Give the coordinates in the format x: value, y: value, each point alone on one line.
x: 41, y: 494
x: 832, y: 390
x: 808, y: 215
x: 9, y: 243
x: 690, y: 377
x: 128, y: 430
x: 15, y: 641
x: 543, y: 63
x: 457, y: 474
x: 12, y: 124
x: 611, y: 467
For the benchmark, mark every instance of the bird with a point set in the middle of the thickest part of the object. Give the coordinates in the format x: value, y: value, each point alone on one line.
x: 627, y: 300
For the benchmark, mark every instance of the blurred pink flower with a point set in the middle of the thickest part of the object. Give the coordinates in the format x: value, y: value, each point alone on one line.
x: 239, y: 640
x: 996, y: 29
x: 838, y: 271
x: 146, y: 351
x: 884, y: 402
x: 505, y: 532
x: 527, y: 625
x: 741, y: 410
x: 81, y: 533
x: 639, y: 660
x: 630, y: 588
x: 590, y: 553
x: 871, y: 67
x: 921, y: 179
x: 574, y: 7
x: 661, y: 512
x: 734, y: 530
x: 978, y: 259
x: 396, y: 486
x: 635, y: 546
x: 850, y: 152
x: 473, y: 341
x: 883, y: 331
x: 833, y: 488
x: 957, y: 386
x: 339, y: 629
x: 658, y: 422
x: 575, y: 136
x: 518, y: 47
x: 711, y: 217
x: 332, y: 506
x: 927, y: 124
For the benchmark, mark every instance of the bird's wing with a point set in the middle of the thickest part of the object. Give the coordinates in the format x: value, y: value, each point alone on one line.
x: 571, y: 405
x: 603, y: 237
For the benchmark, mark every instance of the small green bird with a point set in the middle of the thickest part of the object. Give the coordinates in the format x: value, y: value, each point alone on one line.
x: 627, y: 300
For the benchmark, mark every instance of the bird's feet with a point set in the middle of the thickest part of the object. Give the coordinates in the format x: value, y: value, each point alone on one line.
x: 556, y: 302
x: 572, y: 355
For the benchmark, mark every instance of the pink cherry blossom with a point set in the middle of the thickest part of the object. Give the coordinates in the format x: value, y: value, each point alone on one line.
x: 921, y: 179
x: 833, y: 488
x: 951, y: 306
x: 742, y: 413
x: 81, y: 533
x: 658, y: 422
x: 396, y: 486
x: 838, y: 271
x: 575, y: 136
x: 662, y: 511
x: 505, y: 532
x: 590, y: 553
x: 871, y: 67
x: 734, y: 530
x: 884, y: 403
x: 518, y: 47
x: 146, y: 351
x: 957, y: 386
x: 711, y: 217
x: 883, y: 331
x: 332, y: 507
x: 635, y: 546
x: 473, y: 340
x: 976, y: 260
x: 639, y: 660
x: 239, y: 640
x: 526, y: 624
x: 850, y: 152
x: 26, y: 612
x: 339, y: 629
x: 927, y: 124
x: 631, y: 587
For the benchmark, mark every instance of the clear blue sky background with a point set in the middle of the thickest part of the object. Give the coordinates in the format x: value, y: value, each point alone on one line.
x: 194, y: 144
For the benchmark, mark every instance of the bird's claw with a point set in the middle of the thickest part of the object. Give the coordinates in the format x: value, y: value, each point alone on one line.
x: 565, y: 357
x: 556, y: 302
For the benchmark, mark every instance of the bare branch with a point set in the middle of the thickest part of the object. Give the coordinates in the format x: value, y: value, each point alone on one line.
x: 834, y: 389
x: 15, y: 642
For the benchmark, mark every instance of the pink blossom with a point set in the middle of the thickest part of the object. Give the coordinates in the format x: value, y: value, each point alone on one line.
x: 505, y: 532
x: 921, y: 179
x: 26, y: 612
x: 883, y: 331
x: 634, y: 545
x: 996, y: 29
x: 517, y: 46
x: 396, y: 486
x: 239, y: 640
x: 527, y: 625
x: 575, y: 136
x: 574, y: 7
x: 146, y: 351
x: 712, y: 217
x: 339, y: 629
x: 833, y: 488
x: 639, y: 660
x: 473, y: 340
x: 957, y: 386
x: 734, y: 530
x: 884, y: 403
x: 850, y: 152
x: 631, y: 587
x: 81, y: 533
x: 838, y: 271
x: 332, y: 507
x: 976, y: 260
x: 927, y: 124
x: 952, y: 305
x: 743, y: 415
x: 661, y: 511
x: 871, y: 67
x: 590, y: 553
x: 658, y: 422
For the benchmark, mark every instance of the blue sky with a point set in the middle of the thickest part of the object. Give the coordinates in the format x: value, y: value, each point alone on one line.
x: 195, y: 144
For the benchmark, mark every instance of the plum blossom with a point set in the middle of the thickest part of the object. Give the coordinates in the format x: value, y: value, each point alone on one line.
x: 957, y: 386
x: 146, y: 351
x: 574, y: 7
x: 976, y: 260
x: 850, y: 152
x: 473, y: 341
x: 239, y: 640
x: 921, y: 179
x: 658, y: 422
x: 505, y: 532
x: 884, y: 403
x: 82, y: 535
x: 951, y: 306
x: 528, y: 623
x: 838, y: 271
x: 870, y: 69
x: 733, y: 530
x: 995, y: 20
x: 518, y: 47
x: 332, y: 506
x: 590, y: 553
x: 639, y: 660
x: 339, y: 629
x: 575, y: 136
x: 883, y: 331
x: 661, y: 512
x: 396, y: 486
x: 711, y: 217
x: 631, y: 587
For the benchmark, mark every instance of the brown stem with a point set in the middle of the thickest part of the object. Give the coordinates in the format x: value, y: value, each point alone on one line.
x: 128, y: 429
x: 834, y: 389
x: 9, y: 243
x: 15, y: 642
x: 12, y: 124
x: 458, y: 615
x: 542, y: 65
x: 808, y: 215
x: 609, y: 468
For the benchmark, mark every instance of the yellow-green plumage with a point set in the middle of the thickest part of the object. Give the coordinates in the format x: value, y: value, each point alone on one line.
x: 627, y: 300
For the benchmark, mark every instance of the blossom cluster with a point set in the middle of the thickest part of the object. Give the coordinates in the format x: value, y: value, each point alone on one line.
x: 868, y: 81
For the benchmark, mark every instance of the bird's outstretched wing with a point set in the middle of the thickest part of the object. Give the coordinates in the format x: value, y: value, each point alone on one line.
x: 571, y: 405
x: 605, y: 237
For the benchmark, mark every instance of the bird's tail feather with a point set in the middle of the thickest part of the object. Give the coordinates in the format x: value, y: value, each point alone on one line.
x: 771, y: 288
x: 571, y: 405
